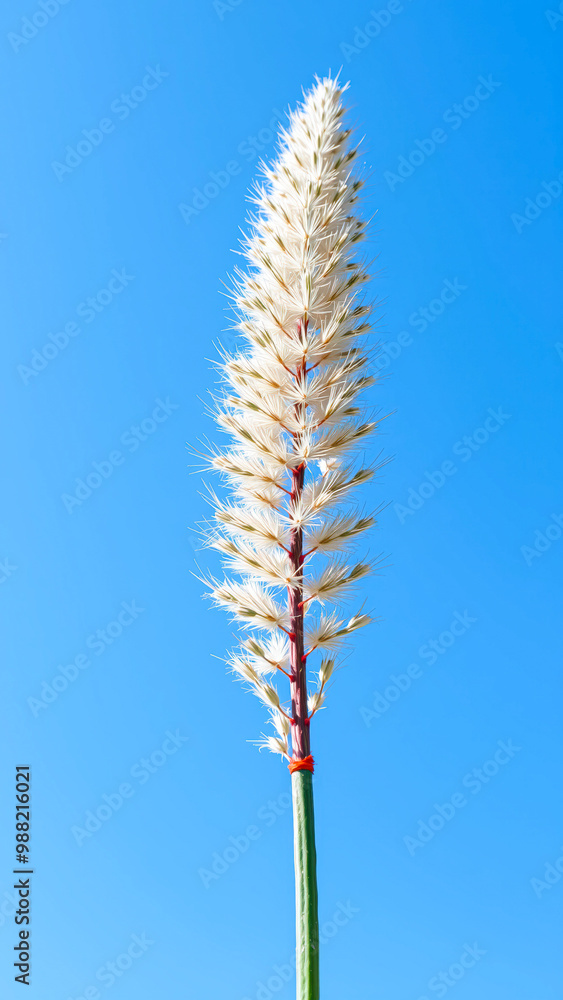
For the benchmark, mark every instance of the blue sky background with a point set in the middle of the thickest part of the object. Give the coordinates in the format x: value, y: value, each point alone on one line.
x: 477, y: 546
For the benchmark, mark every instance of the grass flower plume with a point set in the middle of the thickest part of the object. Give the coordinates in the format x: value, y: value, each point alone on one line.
x: 291, y: 405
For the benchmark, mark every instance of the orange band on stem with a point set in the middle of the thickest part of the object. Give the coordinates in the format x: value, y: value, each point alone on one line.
x: 306, y: 764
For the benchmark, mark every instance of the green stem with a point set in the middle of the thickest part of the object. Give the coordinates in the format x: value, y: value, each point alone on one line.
x: 306, y: 902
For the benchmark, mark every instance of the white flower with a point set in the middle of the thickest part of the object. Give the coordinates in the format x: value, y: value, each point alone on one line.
x: 291, y: 403
x: 326, y: 465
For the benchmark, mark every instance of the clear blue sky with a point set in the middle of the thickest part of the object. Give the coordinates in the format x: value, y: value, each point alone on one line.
x: 114, y: 116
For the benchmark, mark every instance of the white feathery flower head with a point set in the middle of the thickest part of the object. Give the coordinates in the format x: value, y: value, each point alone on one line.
x: 326, y: 465
x: 267, y: 655
x: 291, y: 403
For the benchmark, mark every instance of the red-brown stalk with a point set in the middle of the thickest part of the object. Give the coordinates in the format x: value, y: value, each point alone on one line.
x: 300, y: 737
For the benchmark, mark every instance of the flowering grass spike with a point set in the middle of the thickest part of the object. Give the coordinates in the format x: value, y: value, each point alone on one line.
x: 291, y: 406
